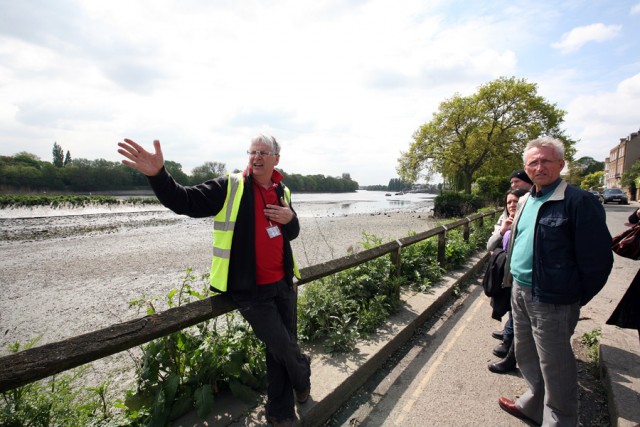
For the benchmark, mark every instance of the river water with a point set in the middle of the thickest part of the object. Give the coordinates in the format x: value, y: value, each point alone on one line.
x: 305, y: 204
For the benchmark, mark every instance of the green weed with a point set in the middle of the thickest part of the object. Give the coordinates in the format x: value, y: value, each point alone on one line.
x: 184, y: 371
x: 56, y: 401
x: 592, y: 341
x: 420, y: 266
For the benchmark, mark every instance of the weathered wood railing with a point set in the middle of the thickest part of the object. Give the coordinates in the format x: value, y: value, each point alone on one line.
x: 40, y: 362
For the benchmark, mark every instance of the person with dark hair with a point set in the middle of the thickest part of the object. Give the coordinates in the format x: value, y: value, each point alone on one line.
x: 518, y: 179
x: 501, y: 303
x: 559, y: 258
x: 252, y: 257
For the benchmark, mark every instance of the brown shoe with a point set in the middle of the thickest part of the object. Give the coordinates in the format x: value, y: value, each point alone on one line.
x: 509, y: 406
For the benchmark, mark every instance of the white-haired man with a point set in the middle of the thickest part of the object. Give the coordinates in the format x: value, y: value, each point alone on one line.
x: 559, y: 258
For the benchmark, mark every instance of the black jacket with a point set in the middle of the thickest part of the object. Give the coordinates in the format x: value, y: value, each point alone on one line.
x: 572, y: 255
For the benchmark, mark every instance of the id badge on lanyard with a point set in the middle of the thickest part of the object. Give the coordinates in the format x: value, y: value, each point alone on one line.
x: 273, y: 230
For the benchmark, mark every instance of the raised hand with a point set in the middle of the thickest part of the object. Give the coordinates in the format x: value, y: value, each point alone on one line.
x: 506, y: 225
x: 140, y: 159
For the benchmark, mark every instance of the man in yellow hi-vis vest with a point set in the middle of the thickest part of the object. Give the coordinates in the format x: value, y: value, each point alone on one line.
x: 252, y: 257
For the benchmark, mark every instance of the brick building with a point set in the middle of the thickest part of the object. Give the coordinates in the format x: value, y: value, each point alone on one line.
x: 621, y: 158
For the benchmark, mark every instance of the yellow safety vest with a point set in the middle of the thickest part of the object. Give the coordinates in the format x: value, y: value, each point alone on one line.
x: 223, y: 225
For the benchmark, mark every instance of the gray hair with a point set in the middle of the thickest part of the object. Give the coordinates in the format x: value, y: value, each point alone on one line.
x: 545, y: 141
x: 267, y: 140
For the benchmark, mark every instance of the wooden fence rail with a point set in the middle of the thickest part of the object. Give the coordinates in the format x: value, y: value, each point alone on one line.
x: 40, y: 362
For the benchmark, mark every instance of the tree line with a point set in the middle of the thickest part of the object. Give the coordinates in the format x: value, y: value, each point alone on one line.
x: 25, y: 172
x: 397, y: 184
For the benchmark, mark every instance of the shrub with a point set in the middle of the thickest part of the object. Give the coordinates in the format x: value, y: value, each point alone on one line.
x: 491, y: 189
x: 457, y: 250
x: 340, y: 308
x: 55, y: 401
x: 480, y: 233
x: 451, y: 205
x: 184, y: 370
x: 420, y: 265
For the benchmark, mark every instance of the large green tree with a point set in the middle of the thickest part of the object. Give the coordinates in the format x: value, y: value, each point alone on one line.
x: 483, y: 134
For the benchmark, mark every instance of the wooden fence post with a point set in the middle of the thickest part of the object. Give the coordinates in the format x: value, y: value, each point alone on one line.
x: 465, y: 230
x: 396, y: 260
x: 442, y: 244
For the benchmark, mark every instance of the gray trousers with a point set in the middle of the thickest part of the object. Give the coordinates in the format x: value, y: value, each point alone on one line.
x: 545, y: 358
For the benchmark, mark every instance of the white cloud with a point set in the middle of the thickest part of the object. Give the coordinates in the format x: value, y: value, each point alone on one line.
x: 599, y: 120
x: 635, y: 9
x: 578, y: 37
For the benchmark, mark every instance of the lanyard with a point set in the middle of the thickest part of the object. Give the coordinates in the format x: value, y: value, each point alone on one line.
x: 264, y: 202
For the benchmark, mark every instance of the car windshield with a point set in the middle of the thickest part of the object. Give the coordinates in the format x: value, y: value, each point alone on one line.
x: 615, y: 191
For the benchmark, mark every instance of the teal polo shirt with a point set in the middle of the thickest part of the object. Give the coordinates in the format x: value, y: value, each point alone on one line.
x: 521, y: 263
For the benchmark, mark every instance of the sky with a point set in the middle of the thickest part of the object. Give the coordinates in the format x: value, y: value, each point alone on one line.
x: 343, y: 85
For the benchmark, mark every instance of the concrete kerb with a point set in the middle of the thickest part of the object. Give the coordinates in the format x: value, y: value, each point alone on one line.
x: 620, y: 373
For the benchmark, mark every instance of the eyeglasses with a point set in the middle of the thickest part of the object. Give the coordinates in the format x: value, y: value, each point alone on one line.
x: 261, y: 153
x: 543, y: 162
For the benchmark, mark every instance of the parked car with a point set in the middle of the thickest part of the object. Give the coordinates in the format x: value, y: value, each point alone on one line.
x: 597, y: 195
x: 615, y: 195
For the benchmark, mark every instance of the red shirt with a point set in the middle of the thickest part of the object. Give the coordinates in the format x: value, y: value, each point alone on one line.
x: 269, y: 251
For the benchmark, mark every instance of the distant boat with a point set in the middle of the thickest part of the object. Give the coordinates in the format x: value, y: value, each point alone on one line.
x: 401, y: 193
x: 388, y: 194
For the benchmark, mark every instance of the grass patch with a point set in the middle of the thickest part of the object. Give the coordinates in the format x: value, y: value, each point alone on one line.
x: 66, y: 201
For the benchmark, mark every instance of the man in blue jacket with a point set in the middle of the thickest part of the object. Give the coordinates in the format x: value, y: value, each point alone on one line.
x: 559, y: 259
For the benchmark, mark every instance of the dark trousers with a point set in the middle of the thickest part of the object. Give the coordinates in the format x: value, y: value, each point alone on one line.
x: 271, y: 311
x: 508, y: 328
